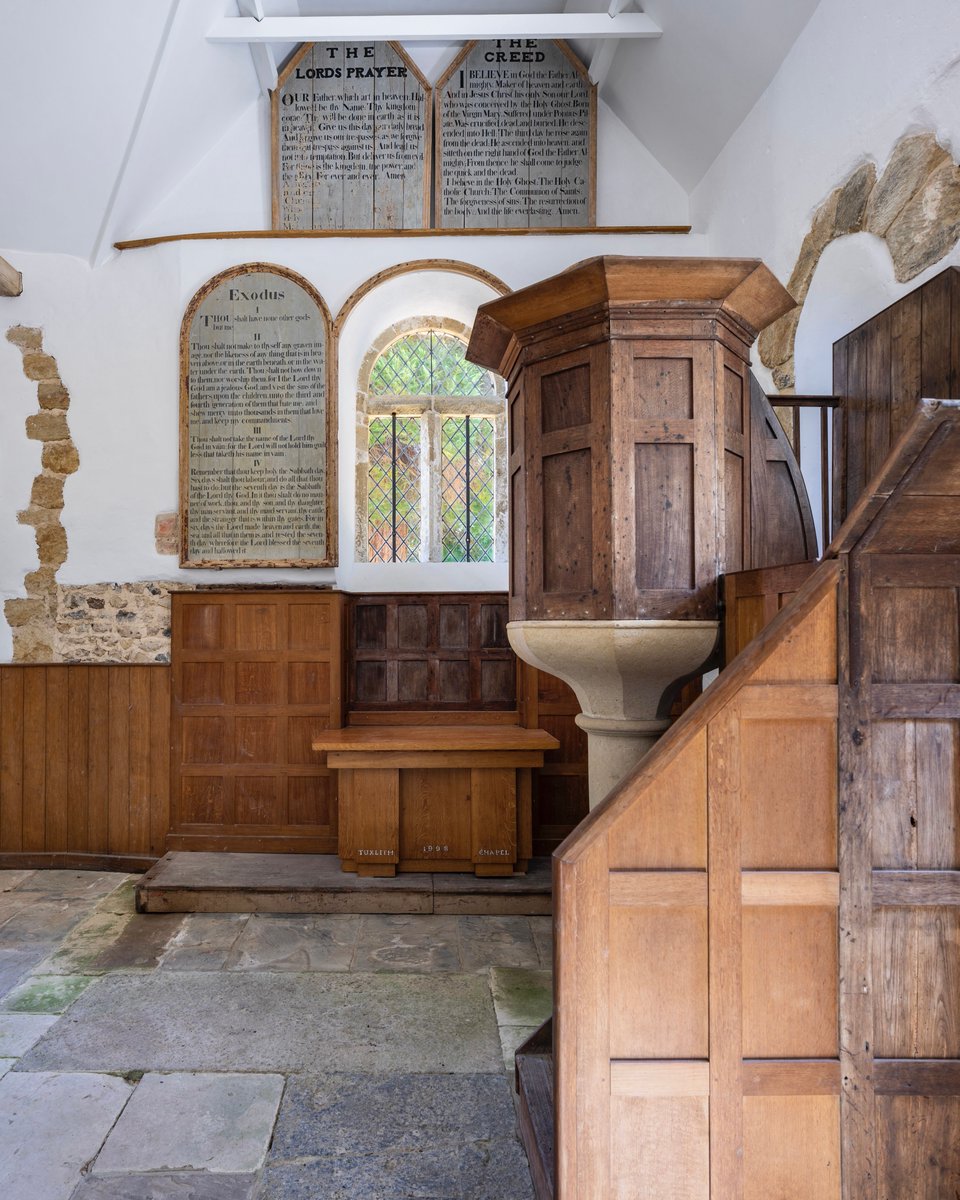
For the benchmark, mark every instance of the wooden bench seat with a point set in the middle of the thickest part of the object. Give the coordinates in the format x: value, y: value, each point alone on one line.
x: 435, y: 797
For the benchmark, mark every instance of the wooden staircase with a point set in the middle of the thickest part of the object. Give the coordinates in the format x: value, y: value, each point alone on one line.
x: 757, y: 980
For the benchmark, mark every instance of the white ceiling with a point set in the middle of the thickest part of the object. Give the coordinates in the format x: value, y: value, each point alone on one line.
x: 125, y: 99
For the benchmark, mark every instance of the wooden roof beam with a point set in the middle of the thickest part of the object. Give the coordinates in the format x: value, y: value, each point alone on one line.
x: 434, y: 28
x: 263, y: 60
x: 11, y: 281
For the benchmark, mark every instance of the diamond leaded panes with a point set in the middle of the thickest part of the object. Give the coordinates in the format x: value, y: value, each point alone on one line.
x: 428, y: 364
x: 438, y: 503
x: 467, y: 489
x: 393, y: 489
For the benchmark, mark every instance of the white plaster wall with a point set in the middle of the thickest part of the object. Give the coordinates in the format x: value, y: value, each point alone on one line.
x: 229, y: 186
x: 861, y: 75
x: 114, y: 330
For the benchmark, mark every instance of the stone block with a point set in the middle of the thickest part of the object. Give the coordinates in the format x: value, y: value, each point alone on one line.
x: 38, y: 516
x: 521, y: 997
x: 929, y: 224
x: 48, y: 427
x: 40, y: 582
x: 45, y: 993
x: 52, y: 394
x: 496, y: 942
x: 777, y: 340
x: 25, y: 337
x: 819, y: 236
x: 47, y: 491
x: 18, y: 612
x: 52, y: 545
x: 220, y: 1122
x: 37, y: 366
x: 61, y: 457
x: 783, y: 376
x: 19, y: 1031
x: 852, y: 200
x: 912, y: 160
x: 53, y: 1126
x: 283, y: 1022
x: 173, y: 1185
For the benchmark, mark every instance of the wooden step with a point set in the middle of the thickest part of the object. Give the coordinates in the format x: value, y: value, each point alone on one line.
x: 197, y: 881
x: 534, y: 1078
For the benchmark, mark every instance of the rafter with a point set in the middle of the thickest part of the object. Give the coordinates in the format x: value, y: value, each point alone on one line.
x: 262, y: 53
x: 433, y: 28
x: 11, y: 281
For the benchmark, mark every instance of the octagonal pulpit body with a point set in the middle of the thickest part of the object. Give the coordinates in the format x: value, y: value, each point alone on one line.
x: 628, y: 386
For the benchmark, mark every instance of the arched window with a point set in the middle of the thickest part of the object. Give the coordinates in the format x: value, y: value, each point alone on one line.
x: 431, y: 483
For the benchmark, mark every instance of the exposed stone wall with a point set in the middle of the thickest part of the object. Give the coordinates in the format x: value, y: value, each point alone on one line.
x: 32, y: 619
x: 914, y: 206
x: 113, y: 622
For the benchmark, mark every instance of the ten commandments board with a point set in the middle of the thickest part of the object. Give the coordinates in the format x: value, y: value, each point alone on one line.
x: 351, y: 139
x: 258, y: 451
x: 516, y: 138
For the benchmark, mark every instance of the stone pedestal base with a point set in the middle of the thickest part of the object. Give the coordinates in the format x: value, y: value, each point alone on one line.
x: 620, y: 671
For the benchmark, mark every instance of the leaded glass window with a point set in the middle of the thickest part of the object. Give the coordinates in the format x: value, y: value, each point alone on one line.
x: 433, y: 481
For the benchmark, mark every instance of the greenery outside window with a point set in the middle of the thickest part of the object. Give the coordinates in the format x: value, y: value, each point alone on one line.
x: 431, y: 482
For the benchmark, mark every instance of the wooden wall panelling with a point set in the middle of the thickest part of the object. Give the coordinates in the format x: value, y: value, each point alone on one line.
x: 430, y: 653
x: 751, y: 599
x: 256, y: 676
x: 84, y: 764
x: 721, y: 939
x: 881, y: 370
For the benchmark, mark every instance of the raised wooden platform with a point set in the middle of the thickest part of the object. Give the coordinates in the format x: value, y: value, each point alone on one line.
x: 192, y: 881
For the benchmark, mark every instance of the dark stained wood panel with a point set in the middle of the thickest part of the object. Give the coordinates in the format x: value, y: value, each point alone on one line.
x: 881, y: 370
x: 567, y: 522
x: 256, y: 677
x: 565, y: 399
x: 664, y: 388
x: 84, y: 761
x: 663, y: 475
x: 431, y: 653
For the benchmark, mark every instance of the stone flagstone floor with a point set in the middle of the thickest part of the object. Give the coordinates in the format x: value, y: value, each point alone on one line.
x: 256, y: 1057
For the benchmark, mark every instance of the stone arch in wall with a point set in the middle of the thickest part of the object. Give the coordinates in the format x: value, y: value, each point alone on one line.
x: 913, y: 206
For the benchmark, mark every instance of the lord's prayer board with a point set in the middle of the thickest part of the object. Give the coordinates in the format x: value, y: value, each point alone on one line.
x: 351, y: 139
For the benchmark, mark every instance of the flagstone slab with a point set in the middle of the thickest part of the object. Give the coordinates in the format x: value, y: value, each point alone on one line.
x: 51, y: 1125
x: 521, y: 997
x: 16, y: 963
x: 267, y: 1021
x: 10, y: 879
x: 408, y: 943
x: 19, y: 1031
x: 140, y: 944
x: 496, y: 1171
x: 46, y: 993
x: 191, y: 1121
x: 496, y: 941
x: 76, y: 884
x: 350, y: 1114
x: 295, y: 943
x: 203, y: 941
x: 180, y: 1185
